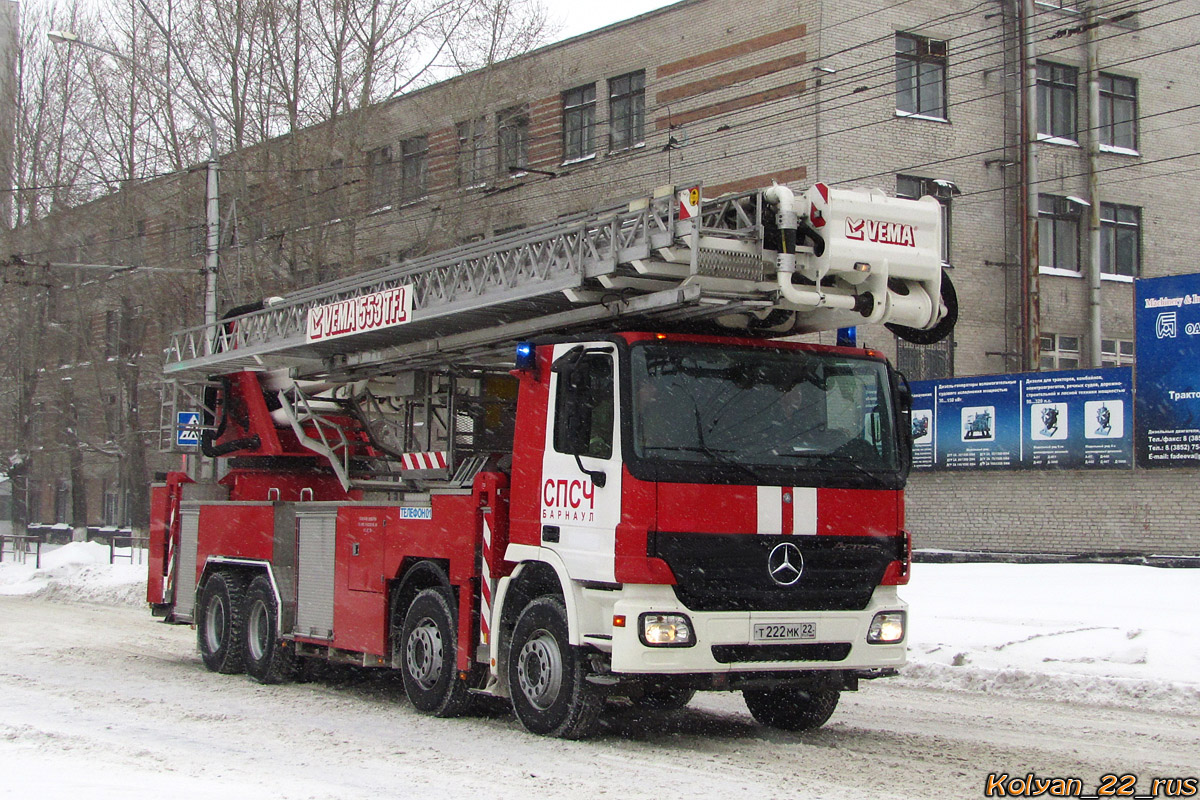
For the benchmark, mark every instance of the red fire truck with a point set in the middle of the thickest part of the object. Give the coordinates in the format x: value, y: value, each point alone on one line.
x: 570, y: 466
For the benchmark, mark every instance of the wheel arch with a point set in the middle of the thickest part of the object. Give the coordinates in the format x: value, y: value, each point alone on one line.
x: 413, y: 577
x: 545, y: 575
x: 250, y: 569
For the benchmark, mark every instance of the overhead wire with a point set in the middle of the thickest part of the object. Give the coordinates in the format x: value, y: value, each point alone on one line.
x: 575, y: 188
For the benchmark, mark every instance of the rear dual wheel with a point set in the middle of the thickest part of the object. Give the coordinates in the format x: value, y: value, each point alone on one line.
x: 219, y: 622
x: 268, y: 658
x: 237, y: 623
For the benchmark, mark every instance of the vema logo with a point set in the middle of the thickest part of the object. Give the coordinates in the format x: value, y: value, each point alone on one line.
x: 871, y: 230
x: 1167, y: 325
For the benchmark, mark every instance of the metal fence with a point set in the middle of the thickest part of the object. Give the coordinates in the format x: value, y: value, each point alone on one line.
x: 136, y: 545
x: 17, y: 547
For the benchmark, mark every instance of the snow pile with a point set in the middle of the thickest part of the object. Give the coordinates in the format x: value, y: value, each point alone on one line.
x: 78, y: 572
x: 1090, y: 633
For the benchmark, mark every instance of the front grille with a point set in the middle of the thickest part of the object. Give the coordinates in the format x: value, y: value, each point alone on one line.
x: 743, y: 653
x: 728, y: 572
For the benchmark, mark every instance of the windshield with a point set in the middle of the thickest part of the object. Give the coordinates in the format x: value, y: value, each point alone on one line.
x: 756, y: 408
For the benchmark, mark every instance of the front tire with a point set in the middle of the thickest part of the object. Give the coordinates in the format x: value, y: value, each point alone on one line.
x: 268, y: 658
x: 219, y: 623
x: 547, y: 676
x: 792, y: 709
x: 427, y: 650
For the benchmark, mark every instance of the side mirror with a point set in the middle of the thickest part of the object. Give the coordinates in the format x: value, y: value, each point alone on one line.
x: 904, y: 397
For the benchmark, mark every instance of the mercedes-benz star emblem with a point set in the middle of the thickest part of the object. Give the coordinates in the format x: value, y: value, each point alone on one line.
x: 785, y: 564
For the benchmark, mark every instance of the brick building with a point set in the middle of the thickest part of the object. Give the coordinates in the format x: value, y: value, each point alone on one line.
x: 915, y: 97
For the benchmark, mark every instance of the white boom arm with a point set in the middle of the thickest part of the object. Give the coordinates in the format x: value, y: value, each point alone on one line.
x: 767, y: 262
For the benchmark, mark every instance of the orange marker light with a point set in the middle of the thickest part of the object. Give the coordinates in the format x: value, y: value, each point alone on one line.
x: 618, y: 620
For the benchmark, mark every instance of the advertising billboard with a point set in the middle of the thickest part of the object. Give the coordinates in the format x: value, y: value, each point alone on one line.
x: 1167, y: 327
x: 1074, y: 419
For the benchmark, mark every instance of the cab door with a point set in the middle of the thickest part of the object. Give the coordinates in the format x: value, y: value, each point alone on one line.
x: 581, y: 468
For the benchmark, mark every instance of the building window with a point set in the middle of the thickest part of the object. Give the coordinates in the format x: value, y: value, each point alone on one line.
x: 62, y: 503
x: 512, y: 140
x: 381, y: 177
x: 626, y: 110
x: 920, y: 76
x: 1058, y: 233
x: 579, y: 122
x: 943, y: 191
x: 112, y: 334
x: 925, y: 362
x: 469, y: 165
x: 412, y: 171
x: 1116, y: 352
x: 111, y: 507
x: 1120, y: 240
x: 1059, y: 351
x: 1056, y: 88
x: 1118, y: 112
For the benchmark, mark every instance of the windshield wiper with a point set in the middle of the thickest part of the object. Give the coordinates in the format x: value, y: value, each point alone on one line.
x: 853, y: 462
x: 716, y: 455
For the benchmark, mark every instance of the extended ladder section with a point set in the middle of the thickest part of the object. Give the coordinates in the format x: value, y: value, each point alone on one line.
x: 764, y: 261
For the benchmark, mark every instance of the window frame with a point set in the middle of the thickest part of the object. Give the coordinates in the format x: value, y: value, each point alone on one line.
x: 469, y: 157
x: 1054, y: 91
x: 512, y: 140
x: 1056, y: 354
x: 1110, y: 100
x: 1115, y: 353
x: 924, y: 53
x: 1064, y: 214
x: 381, y: 177
x: 626, y: 111
x: 414, y: 153
x: 579, y: 123
x: 1111, y: 227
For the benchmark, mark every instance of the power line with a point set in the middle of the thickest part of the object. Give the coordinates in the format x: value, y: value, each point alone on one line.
x: 579, y: 188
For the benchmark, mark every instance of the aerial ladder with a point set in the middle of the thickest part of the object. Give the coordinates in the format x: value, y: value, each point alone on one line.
x: 764, y: 263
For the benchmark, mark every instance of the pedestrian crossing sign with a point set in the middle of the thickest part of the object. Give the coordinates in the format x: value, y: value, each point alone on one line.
x: 187, y: 428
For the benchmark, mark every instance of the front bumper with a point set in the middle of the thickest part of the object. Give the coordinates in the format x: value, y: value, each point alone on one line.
x: 724, y: 640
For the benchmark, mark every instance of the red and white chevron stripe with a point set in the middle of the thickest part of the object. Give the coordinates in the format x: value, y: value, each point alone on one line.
x: 168, y: 584
x: 486, y: 584
x: 435, y: 459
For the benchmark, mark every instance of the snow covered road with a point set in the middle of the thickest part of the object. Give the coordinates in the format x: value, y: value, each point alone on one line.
x: 103, y: 702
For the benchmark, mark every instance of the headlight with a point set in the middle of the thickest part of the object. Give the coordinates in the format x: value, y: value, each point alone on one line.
x: 666, y: 630
x: 886, y: 628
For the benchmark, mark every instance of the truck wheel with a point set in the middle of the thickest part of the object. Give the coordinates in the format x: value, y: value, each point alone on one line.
x: 792, y: 709
x: 219, y: 623
x: 547, y: 677
x: 666, y: 698
x: 268, y: 658
x: 428, y: 654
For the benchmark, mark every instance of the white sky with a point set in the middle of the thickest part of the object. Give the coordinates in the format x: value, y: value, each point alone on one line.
x: 579, y: 16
